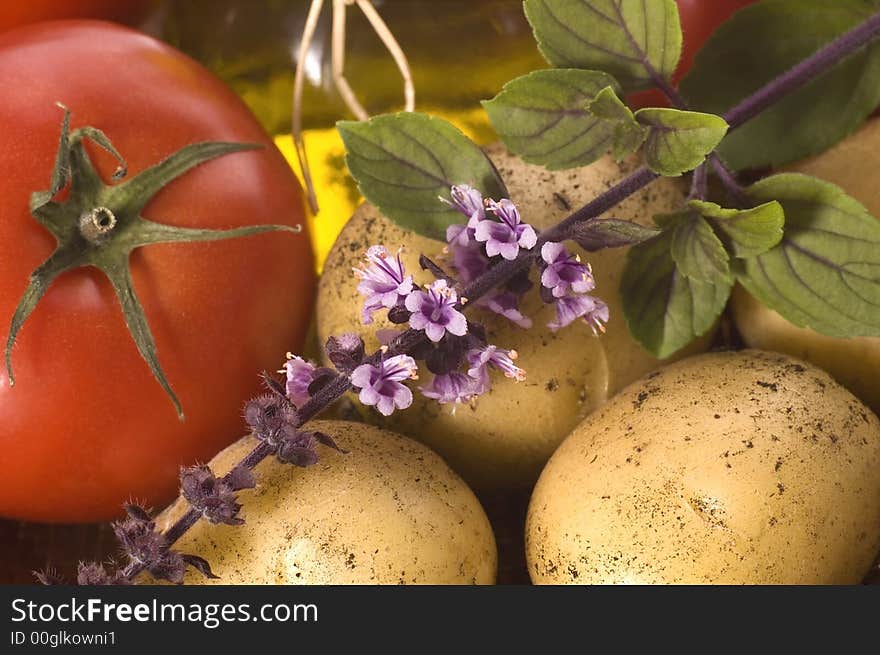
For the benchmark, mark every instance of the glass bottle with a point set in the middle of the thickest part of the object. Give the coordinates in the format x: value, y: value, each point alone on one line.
x: 459, y: 52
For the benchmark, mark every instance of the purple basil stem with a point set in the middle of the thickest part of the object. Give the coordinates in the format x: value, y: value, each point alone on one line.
x: 383, y: 281
x: 382, y: 385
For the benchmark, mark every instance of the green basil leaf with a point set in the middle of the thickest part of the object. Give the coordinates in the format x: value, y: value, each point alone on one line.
x: 750, y: 231
x: 403, y: 162
x: 542, y: 117
x: 825, y: 273
x: 633, y: 40
x: 628, y: 135
x: 664, y: 309
x: 600, y: 233
x: 678, y: 141
x: 760, y: 42
x: 697, y: 251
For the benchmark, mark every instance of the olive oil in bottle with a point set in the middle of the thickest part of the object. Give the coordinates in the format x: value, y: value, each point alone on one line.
x: 459, y: 52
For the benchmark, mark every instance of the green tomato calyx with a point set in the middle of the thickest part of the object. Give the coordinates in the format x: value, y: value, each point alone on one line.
x: 100, y: 225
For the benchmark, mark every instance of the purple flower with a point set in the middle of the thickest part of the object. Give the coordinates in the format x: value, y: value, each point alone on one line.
x: 215, y: 497
x: 94, y: 574
x: 505, y: 236
x: 300, y: 449
x: 345, y: 351
x: 466, y: 200
x: 570, y: 308
x: 383, y: 281
x: 506, y: 303
x: 468, y: 258
x: 145, y: 546
x: 468, y: 255
x: 300, y: 374
x: 481, y: 359
x: 564, y: 272
x: 382, y: 385
x: 270, y: 418
x: 433, y: 310
x: 459, y: 234
x: 386, y: 335
x: 49, y: 576
x: 454, y: 387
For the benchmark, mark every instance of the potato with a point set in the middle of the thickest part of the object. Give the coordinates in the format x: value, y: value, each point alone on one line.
x: 504, y: 441
x: 730, y: 468
x: 388, y: 512
x: 855, y: 363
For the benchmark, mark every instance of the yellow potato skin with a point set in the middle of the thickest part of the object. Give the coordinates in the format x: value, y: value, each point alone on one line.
x: 503, y: 441
x: 851, y: 164
x: 389, y: 511
x: 726, y: 468
x: 855, y: 363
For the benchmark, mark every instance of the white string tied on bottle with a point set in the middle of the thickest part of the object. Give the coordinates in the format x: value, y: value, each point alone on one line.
x: 337, y: 41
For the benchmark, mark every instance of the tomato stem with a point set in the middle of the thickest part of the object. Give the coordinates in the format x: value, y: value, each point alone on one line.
x: 96, y: 225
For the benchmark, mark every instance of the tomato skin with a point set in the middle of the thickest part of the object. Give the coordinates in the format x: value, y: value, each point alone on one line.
x: 22, y: 12
x: 86, y: 426
x: 699, y: 19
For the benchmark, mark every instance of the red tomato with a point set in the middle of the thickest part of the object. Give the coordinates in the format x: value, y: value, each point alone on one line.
x: 86, y: 425
x: 699, y: 19
x: 21, y: 12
